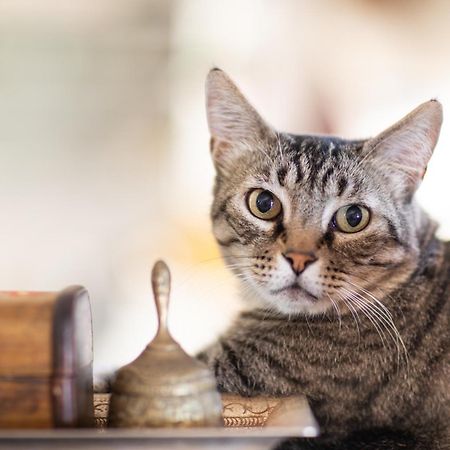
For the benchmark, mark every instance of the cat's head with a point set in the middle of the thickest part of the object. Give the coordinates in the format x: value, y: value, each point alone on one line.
x: 310, y: 223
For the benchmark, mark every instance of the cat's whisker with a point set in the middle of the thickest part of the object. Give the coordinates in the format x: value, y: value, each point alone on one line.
x: 378, y: 288
x: 387, y: 324
x: 369, y: 315
x: 387, y: 316
x: 220, y: 258
x: 308, y: 324
x: 378, y: 302
x: 353, y: 312
x: 382, y: 292
x: 238, y: 266
x: 338, y: 312
x: 247, y: 293
x: 353, y: 297
x: 384, y: 312
x: 191, y: 269
x: 244, y: 277
x: 374, y: 311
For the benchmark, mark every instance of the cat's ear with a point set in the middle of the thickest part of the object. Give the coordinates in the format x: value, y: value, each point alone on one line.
x: 233, y: 123
x: 404, y: 149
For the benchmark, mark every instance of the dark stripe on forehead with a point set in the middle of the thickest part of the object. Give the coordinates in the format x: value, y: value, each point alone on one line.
x: 335, y: 152
x: 316, y: 162
x: 356, y: 186
x: 326, y: 176
x: 304, y: 154
x: 281, y: 174
x: 309, y: 153
x: 323, y: 143
x: 299, y: 169
x: 342, y: 185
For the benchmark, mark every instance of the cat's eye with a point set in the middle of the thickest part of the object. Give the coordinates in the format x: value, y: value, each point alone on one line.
x: 351, y: 218
x: 263, y: 204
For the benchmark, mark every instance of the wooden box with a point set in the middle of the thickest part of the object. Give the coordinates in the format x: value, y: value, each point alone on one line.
x: 46, y: 359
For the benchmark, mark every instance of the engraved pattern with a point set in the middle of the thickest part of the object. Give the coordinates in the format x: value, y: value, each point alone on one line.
x: 244, y: 422
x: 238, y: 412
x: 101, y: 407
x: 242, y: 412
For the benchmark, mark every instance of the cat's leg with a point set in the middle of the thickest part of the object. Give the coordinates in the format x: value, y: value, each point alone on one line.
x: 231, y: 371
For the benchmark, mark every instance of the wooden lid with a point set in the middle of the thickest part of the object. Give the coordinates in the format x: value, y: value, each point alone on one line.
x: 72, y: 377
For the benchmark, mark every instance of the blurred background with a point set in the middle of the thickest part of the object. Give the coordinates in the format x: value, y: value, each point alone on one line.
x: 104, y: 153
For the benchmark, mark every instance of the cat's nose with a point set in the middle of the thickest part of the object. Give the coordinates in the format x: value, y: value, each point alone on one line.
x: 299, y: 260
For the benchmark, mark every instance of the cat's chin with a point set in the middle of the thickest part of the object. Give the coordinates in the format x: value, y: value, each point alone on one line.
x: 295, y: 300
x: 295, y: 293
x: 288, y: 303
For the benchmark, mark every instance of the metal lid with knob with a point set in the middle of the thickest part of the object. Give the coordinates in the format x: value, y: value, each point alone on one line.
x: 164, y: 386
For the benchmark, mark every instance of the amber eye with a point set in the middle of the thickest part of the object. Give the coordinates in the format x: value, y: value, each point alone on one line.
x: 351, y: 218
x: 263, y: 204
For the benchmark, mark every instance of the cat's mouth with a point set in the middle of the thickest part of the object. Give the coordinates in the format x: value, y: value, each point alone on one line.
x: 295, y: 292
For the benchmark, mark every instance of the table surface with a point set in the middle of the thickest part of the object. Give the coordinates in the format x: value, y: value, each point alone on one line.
x: 289, y: 417
x: 200, y: 438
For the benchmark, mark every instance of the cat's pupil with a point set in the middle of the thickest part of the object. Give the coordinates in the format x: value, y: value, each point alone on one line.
x: 354, y: 215
x: 264, y: 201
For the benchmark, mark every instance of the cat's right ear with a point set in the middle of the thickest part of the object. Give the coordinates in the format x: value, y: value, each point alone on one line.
x: 403, y: 150
x: 233, y: 123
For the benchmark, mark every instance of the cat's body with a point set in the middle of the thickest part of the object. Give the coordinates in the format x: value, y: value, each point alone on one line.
x: 352, y: 287
x: 352, y: 380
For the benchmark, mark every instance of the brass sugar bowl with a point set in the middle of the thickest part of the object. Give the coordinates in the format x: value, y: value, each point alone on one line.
x: 164, y: 386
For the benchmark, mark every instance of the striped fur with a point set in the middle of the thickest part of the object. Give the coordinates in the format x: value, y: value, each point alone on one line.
x: 366, y: 334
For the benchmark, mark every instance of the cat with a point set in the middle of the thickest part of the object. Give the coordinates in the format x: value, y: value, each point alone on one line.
x: 349, y: 286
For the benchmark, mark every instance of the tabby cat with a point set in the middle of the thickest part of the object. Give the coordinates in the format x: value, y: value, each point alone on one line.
x: 349, y: 285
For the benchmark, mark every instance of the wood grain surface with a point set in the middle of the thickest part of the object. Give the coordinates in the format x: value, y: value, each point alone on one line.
x: 25, y: 403
x: 26, y: 328
x: 45, y: 359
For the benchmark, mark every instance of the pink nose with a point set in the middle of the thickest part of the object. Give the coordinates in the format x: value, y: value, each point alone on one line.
x: 299, y: 261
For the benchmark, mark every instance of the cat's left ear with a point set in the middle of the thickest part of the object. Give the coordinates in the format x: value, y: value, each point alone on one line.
x: 234, y: 124
x: 404, y: 149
